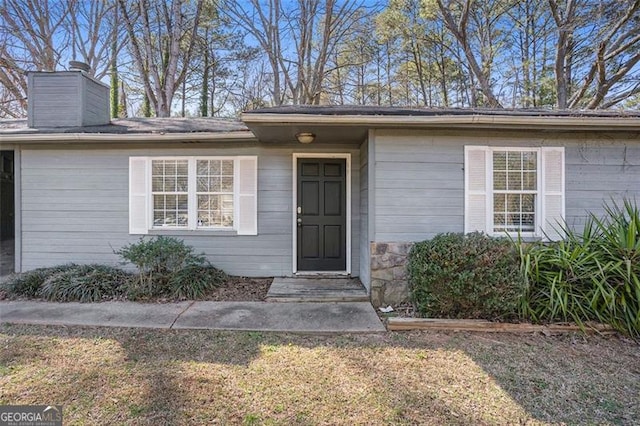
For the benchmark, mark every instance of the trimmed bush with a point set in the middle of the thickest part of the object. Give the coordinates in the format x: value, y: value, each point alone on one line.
x: 465, y: 276
x: 168, y: 267
x: 593, y: 275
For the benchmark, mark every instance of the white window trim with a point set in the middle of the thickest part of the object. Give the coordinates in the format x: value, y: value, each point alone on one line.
x: 546, y: 215
x: 539, y: 193
x: 245, y: 196
x: 192, y: 222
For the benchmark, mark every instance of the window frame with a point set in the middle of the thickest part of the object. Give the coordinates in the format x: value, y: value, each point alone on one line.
x: 539, y: 192
x: 192, y: 194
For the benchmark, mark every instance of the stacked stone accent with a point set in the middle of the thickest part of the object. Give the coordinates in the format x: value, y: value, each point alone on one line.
x: 389, y: 285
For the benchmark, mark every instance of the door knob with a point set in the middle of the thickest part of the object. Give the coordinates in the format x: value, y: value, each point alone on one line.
x: 299, y: 221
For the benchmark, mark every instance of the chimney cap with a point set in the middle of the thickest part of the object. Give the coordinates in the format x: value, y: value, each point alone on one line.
x: 79, y: 66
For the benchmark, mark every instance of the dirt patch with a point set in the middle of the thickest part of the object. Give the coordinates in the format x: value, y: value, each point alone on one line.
x: 240, y: 289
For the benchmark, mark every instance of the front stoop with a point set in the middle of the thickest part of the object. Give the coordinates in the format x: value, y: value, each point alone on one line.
x: 317, y: 290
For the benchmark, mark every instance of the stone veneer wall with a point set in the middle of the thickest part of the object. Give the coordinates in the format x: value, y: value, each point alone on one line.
x: 389, y: 285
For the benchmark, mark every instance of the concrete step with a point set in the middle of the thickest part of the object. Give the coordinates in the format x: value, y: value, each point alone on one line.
x: 317, y: 290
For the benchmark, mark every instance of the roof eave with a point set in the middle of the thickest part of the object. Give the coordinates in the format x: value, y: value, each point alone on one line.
x: 469, y: 122
x: 32, y: 138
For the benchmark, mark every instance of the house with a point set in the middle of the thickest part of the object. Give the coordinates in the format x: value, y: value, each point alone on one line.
x: 301, y: 190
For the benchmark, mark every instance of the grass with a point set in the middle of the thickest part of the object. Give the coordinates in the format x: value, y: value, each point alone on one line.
x: 139, y: 377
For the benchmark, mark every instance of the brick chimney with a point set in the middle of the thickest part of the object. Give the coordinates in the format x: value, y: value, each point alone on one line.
x: 66, y: 98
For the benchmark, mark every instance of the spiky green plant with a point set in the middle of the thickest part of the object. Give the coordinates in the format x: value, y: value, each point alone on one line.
x: 592, y: 275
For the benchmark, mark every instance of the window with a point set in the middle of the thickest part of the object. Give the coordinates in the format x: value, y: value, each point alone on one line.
x: 170, y: 192
x: 193, y: 193
x: 514, y: 190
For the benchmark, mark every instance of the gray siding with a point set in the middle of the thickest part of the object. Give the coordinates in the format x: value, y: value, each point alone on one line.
x: 419, y: 177
x: 66, y: 99
x: 365, y: 246
x: 75, y: 208
x: 96, y: 103
x: 54, y: 99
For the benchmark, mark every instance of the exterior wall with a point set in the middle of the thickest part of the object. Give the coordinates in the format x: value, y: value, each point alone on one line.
x: 419, y: 186
x: 75, y: 207
x: 364, y: 243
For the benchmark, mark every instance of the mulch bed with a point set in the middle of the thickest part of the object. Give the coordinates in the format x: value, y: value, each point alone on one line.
x: 240, y: 289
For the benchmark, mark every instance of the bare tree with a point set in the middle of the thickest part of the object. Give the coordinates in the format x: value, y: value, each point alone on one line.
x: 299, y: 39
x: 33, y: 38
x: 161, y: 39
x: 458, y: 16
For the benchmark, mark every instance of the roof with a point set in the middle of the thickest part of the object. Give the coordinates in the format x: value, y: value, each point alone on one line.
x: 123, y: 126
x: 331, y: 124
x: 130, y: 130
x: 434, y: 112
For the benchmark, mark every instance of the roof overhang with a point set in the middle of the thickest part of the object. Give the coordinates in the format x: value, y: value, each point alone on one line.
x: 142, y: 138
x: 260, y: 123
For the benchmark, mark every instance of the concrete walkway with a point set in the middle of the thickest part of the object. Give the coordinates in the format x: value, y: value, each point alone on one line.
x: 346, y: 317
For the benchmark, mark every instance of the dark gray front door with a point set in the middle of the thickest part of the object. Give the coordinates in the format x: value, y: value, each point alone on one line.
x: 322, y: 214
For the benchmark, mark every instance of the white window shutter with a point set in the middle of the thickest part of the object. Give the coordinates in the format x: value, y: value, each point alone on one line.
x: 553, y: 192
x: 247, y: 196
x: 138, y: 196
x: 476, y: 169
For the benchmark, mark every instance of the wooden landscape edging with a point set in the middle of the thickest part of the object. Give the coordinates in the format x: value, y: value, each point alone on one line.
x: 399, y: 324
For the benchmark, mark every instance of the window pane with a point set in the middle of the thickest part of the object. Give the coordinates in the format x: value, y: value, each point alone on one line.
x: 529, y: 181
x: 157, y: 167
x: 514, y: 181
x: 183, y: 202
x: 203, y: 184
x: 528, y: 222
x: 530, y: 160
x: 182, y: 168
x: 499, y: 160
x: 227, y: 167
x: 528, y: 203
x: 214, y: 167
x: 226, y: 184
x: 157, y: 184
x: 499, y: 204
x: 182, y: 184
x: 203, y: 167
x: 214, y: 184
x: 170, y: 202
x: 499, y: 180
x: 514, y: 160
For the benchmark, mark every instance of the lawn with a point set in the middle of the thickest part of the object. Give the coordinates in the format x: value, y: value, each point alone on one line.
x: 131, y: 376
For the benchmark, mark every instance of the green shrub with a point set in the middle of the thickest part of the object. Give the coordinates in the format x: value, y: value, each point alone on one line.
x: 168, y: 267
x: 85, y: 283
x: 28, y: 284
x: 193, y: 281
x: 465, y: 276
x: 593, y: 275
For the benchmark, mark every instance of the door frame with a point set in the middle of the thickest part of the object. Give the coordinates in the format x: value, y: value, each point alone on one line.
x: 294, y: 205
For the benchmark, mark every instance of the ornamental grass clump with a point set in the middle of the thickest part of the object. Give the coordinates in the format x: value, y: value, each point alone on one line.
x: 465, y: 276
x: 85, y: 283
x: 70, y: 282
x: 592, y: 275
